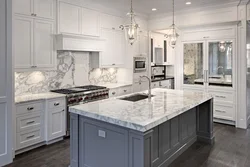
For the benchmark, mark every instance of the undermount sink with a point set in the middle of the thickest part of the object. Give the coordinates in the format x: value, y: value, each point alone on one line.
x: 135, y: 98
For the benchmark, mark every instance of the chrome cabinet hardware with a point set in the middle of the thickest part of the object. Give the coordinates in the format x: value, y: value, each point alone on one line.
x: 113, y: 93
x: 221, y: 96
x: 220, y: 111
x: 125, y: 91
x: 113, y: 28
x: 31, y: 122
x: 30, y: 108
x: 29, y: 137
x: 206, y: 37
x: 56, y: 104
x: 113, y: 64
x: 33, y: 66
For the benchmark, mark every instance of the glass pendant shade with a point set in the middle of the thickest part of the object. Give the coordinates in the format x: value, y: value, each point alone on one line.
x: 131, y: 32
x: 222, y: 46
x: 172, y: 35
x: 131, y: 27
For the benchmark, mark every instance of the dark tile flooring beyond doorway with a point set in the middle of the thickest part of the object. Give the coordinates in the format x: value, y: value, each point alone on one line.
x: 231, y: 149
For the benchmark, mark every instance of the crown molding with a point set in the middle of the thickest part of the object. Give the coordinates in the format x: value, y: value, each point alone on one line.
x: 213, y: 7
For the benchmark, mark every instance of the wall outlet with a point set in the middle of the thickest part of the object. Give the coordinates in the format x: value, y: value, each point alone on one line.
x: 102, y: 133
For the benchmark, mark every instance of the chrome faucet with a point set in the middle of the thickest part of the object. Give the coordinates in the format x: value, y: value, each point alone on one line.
x: 149, y: 85
x: 153, y: 75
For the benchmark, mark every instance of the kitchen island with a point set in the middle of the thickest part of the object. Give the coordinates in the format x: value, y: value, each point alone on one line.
x: 145, y: 133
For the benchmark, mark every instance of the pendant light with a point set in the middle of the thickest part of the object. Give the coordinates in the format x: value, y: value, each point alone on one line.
x: 131, y: 28
x: 173, y: 32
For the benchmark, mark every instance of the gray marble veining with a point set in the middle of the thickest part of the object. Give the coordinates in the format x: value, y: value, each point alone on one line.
x: 142, y: 115
x: 72, y: 70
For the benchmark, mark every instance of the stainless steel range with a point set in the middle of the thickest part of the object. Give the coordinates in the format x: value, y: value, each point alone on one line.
x: 81, y: 95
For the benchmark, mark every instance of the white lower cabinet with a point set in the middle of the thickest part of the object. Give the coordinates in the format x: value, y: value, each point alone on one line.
x: 120, y: 91
x: 39, y: 122
x: 55, y: 119
x: 29, y: 124
x: 162, y: 84
x: 224, y: 111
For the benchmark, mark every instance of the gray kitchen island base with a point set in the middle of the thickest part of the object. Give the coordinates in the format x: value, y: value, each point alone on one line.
x: 98, y: 144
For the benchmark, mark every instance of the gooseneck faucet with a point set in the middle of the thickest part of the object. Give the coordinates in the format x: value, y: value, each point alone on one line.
x: 149, y: 85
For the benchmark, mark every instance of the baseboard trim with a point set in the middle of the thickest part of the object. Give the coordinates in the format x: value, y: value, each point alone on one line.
x: 217, y: 120
x: 29, y: 148
x: 54, y: 140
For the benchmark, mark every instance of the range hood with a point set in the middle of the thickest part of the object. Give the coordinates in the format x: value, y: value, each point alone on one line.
x: 79, y: 43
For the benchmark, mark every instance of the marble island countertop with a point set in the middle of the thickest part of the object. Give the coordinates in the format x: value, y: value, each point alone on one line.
x: 142, y: 115
x: 35, y: 97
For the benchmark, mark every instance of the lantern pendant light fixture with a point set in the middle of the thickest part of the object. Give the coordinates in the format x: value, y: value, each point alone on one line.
x: 172, y: 35
x: 131, y: 28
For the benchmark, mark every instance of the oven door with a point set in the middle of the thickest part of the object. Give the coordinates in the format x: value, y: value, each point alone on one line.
x: 140, y: 66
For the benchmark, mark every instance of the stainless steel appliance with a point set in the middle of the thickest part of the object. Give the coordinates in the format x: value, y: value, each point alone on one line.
x: 140, y: 64
x: 81, y: 95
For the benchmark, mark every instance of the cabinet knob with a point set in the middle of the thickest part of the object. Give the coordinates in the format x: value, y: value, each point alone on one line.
x: 125, y: 91
x: 113, y: 93
x: 56, y: 104
x: 113, y: 28
x: 30, y: 108
x: 113, y: 64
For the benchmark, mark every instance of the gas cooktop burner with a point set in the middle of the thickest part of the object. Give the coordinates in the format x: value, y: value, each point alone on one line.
x: 79, y: 89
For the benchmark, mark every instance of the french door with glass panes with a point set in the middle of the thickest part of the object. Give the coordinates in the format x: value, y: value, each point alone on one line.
x: 208, y: 65
x: 194, y: 66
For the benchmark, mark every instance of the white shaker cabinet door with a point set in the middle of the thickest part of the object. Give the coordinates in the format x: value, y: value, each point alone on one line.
x: 107, y: 58
x: 43, y: 41
x: 143, y: 44
x: 23, y: 42
x: 119, y: 48
x: 44, y: 8
x: 57, y: 126
x: 90, y: 22
x: 69, y: 18
x: 23, y: 7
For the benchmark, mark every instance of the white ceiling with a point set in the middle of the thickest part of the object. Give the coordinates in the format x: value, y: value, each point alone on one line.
x: 163, y: 6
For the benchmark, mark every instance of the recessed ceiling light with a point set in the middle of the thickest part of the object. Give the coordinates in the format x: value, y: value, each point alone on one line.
x: 154, y: 9
x: 188, y: 3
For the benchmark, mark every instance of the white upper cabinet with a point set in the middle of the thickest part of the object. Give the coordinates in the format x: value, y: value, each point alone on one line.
x: 111, y: 22
x: 23, y: 7
x: 33, y: 43
x: 114, y: 50
x: 36, y: 8
x: 90, y: 22
x: 44, y: 8
x: 77, y: 20
x: 23, y: 42
x: 43, y: 41
x: 69, y: 18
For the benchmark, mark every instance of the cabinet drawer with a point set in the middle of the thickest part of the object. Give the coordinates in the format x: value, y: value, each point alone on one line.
x: 29, y: 122
x: 113, y: 92
x: 29, y: 107
x: 223, y: 96
x: 224, y: 112
x: 25, y: 139
x: 57, y: 103
x: 125, y: 90
x: 165, y: 84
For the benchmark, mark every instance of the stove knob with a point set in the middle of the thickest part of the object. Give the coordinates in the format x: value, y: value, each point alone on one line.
x: 80, y: 99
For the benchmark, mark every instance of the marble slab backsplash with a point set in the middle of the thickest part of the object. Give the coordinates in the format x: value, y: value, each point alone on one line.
x: 72, y: 70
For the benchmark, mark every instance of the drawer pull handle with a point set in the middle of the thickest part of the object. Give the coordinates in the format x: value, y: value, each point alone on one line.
x: 221, y: 97
x: 30, y: 108
x: 31, y: 122
x: 56, y: 104
x: 29, y: 137
x: 220, y: 111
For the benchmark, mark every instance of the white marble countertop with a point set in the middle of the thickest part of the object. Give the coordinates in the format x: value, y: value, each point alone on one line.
x: 142, y: 115
x: 34, y: 97
x: 115, y: 85
x: 216, y: 81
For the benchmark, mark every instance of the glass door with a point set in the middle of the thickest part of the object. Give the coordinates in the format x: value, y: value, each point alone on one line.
x: 194, y: 65
x: 220, y: 63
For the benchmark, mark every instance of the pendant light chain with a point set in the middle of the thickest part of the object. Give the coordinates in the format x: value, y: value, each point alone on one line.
x: 173, y: 13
